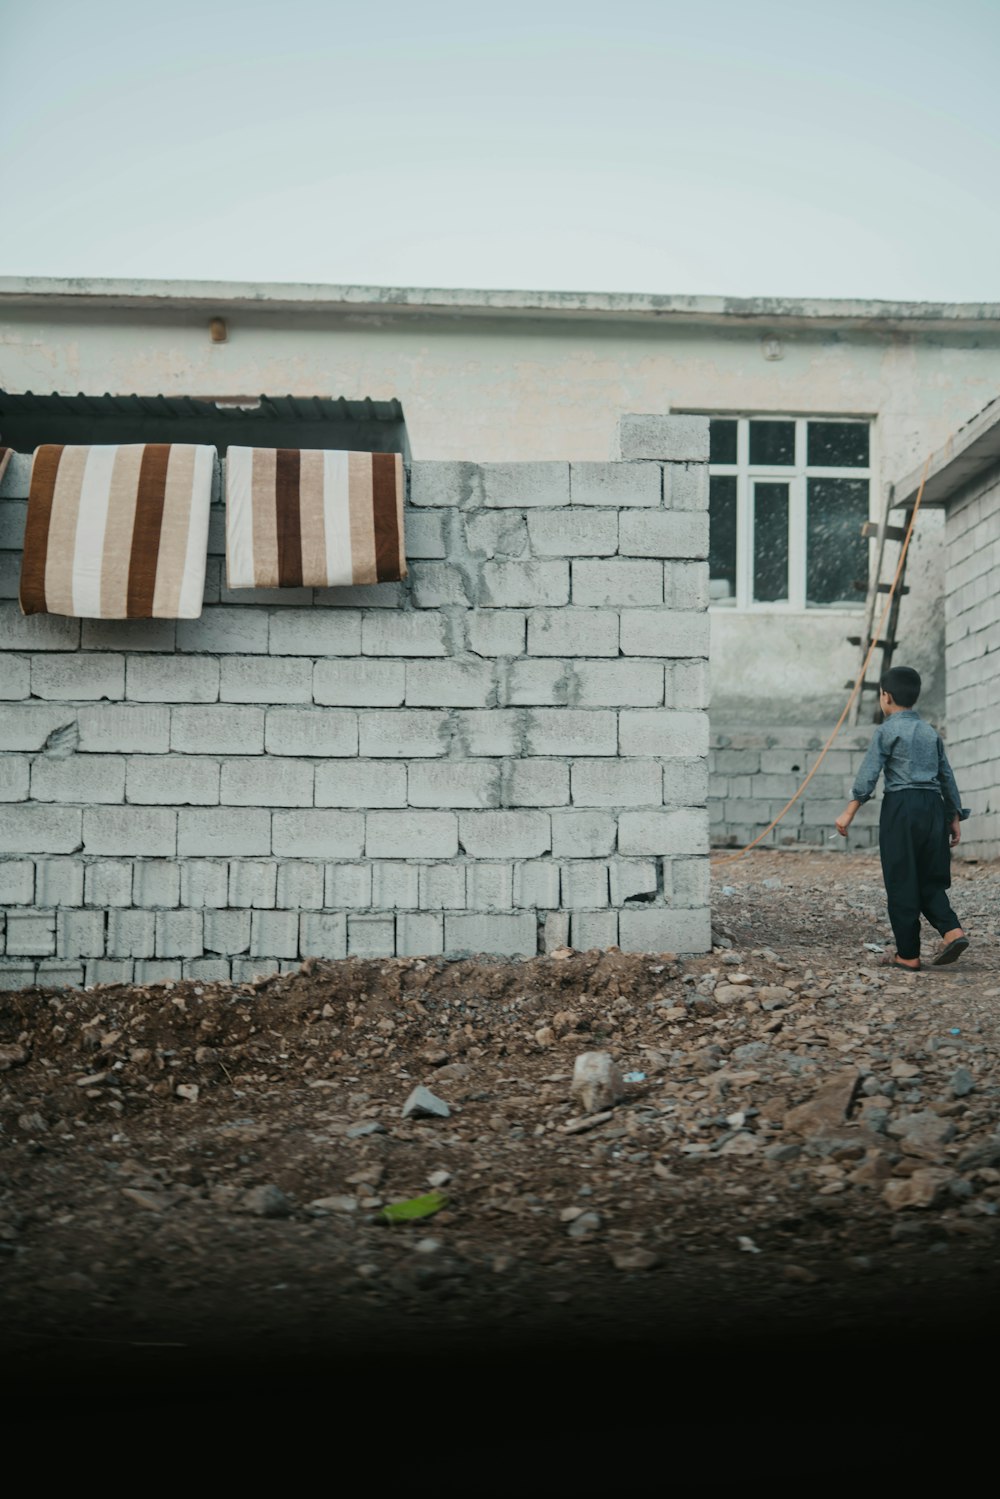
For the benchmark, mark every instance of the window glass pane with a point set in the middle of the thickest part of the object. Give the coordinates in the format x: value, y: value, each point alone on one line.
x: 770, y: 543
x: 721, y: 441
x: 772, y: 442
x: 722, y: 537
x: 838, y: 445
x: 836, y: 552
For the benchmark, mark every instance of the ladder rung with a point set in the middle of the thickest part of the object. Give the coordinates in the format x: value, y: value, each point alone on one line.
x: 882, y: 645
x: 862, y: 587
x: 892, y: 533
x: 865, y: 687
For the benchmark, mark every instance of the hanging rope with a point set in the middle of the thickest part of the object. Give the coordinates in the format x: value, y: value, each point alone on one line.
x: 732, y: 858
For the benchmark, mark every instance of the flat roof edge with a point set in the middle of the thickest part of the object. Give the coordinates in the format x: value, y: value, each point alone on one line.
x: 967, y: 453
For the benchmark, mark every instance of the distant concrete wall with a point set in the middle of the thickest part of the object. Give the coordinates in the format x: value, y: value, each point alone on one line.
x: 972, y: 658
x: 503, y: 754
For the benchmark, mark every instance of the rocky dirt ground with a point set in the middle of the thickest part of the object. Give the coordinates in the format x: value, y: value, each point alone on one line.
x: 193, y: 1177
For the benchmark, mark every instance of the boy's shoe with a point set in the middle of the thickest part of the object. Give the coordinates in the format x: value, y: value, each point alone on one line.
x: 952, y: 951
x: 893, y: 960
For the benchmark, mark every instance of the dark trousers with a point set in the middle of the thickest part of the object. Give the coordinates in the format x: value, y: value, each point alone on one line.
x: 916, y: 866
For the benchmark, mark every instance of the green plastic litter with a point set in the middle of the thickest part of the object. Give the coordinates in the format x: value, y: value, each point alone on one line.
x: 414, y: 1207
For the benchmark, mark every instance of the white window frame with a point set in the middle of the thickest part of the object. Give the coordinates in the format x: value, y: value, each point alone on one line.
x: 795, y: 476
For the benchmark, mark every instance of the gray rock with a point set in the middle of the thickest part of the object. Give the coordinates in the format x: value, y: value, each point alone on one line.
x: 423, y: 1104
x: 267, y: 1201
x: 597, y: 1083
x: 962, y: 1082
x: 584, y: 1225
x: 366, y: 1127
x: 923, y: 1134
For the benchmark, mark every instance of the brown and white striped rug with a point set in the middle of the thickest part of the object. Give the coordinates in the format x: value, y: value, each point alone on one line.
x: 5, y: 456
x: 301, y: 518
x: 117, y: 532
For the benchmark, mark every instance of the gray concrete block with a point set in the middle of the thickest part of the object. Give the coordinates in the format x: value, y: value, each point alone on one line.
x: 129, y: 830
x: 158, y: 971
x: 679, y: 832
x: 172, y: 679
x: 227, y: 932
x: 102, y: 971
x: 318, y: 732
x: 505, y: 834
x: 678, y: 439
x: 411, y: 835
x: 524, y: 485
x: 204, y: 882
x: 664, y: 632
x: 27, y: 726
x: 442, y: 886
x: 252, y: 883
x: 511, y: 585
x: 131, y: 934
x: 81, y: 778
x: 425, y: 535
x: 613, y: 684
x: 536, y: 783
x: 372, y: 684
x: 323, y: 934
x: 487, y: 731
x: 689, y: 684
x: 371, y: 936
x: 179, y: 934
x: 395, y: 884
x: 212, y: 832
x: 15, y: 679
x: 10, y: 575
x: 108, y: 883
x: 691, y: 882
x: 58, y: 882
x: 454, y: 783
x: 569, y: 731
x: 536, y: 885
x: 685, y: 585
x: 617, y: 783
x: 17, y: 973
x: 584, y: 884
x: 274, y: 934
x: 616, y: 582
x: 113, y: 728
x: 36, y: 632
x: 321, y: 832
x: 542, y: 681
x: 269, y: 782
x: 685, y: 486
x: 508, y: 935
x: 662, y: 732
x: 436, y: 585
x: 349, y: 885
x: 490, y: 887
x: 17, y: 882
x: 664, y: 533
x: 491, y: 632
x: 361, y: 783
x: 685, y: 783
x: 498, y: 534
x: 656, y: 930
x: 555, y: 933
x: 444, y: 483
x: 208, y: 970
x: 615, y: 485
x: 403, y: 734
x: 224, y: 630
x: 451, y: 684
x: 631, y: 879
x: 585, y: 835
x: 79, y: 934
x: 73, y: 678
x: 223, y: 729
x: 13, y: 516
x: 588, y: 535
x: 183, y: 780
x: 27, y: 828
x: 593, y: 929
x: 156, y: 882
x: 247, y: 970
x: 31, y: 934
x: 404, y: 635
x: 307, y: 632
x: 14, y: 778
x: 360, y: 596
x: 419, y: 934
x: 248, y: 679
x: 300, y: 885
x: 573, y: 632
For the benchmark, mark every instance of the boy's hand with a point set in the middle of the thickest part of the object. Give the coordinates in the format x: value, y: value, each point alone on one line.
x: 955, y: 832
x: 843, y: 822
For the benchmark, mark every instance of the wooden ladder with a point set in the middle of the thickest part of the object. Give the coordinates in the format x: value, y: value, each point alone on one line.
x: 874, y: 587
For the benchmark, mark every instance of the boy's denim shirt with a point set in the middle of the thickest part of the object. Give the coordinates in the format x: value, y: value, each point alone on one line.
x: 911, y: 754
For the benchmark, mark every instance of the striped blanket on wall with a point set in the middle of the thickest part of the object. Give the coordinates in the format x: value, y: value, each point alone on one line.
x: 117, y: 532
x: 300, y: 518
x: 5, y: 457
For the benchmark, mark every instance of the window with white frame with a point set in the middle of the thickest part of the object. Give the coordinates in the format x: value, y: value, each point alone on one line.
x: 788, y: 499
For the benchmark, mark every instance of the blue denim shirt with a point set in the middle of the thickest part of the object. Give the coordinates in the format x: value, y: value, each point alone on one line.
x: 910, y: 753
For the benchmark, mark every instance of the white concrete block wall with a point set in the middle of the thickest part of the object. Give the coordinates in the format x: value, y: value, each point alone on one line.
x: 972, y: 658
x: 503, y: 753
x: 753, y: 771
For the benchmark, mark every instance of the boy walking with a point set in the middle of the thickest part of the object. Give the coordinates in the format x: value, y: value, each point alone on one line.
x: 920, y: 820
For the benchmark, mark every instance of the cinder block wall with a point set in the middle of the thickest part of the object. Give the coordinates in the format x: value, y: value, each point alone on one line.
x: 503, y: 754
x: 754, y: 771
x: 972, y: 658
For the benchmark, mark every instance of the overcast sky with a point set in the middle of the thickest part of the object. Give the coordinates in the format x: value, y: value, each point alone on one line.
x: 685, y: 146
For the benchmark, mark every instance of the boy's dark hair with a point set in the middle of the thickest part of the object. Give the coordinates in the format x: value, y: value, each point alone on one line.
x: 902, y: 683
